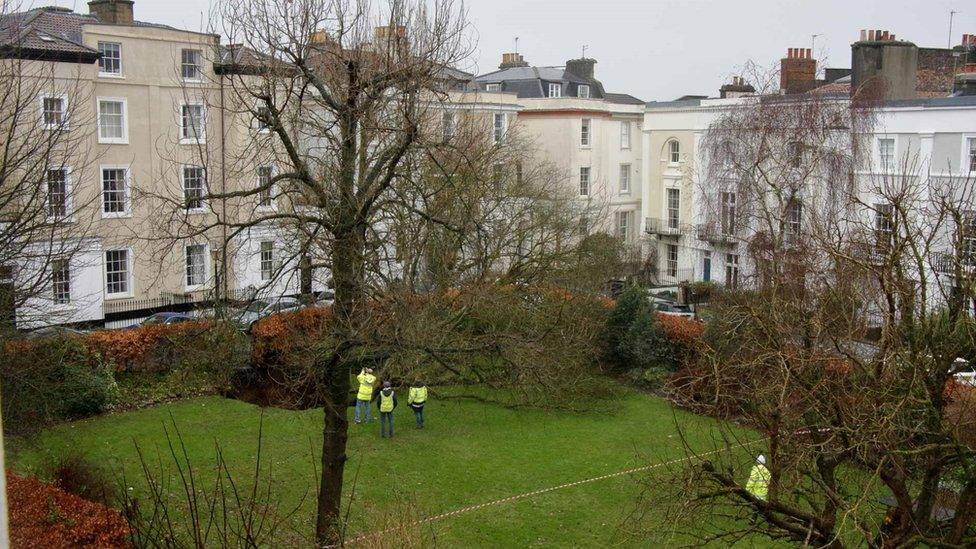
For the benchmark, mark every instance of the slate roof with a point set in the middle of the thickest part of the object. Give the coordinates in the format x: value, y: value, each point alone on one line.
x: 51, y: 33
x: 622, y: 99
x: 529, y: 82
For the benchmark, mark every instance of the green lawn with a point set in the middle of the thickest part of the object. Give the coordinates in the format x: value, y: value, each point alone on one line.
x: 469, y: 453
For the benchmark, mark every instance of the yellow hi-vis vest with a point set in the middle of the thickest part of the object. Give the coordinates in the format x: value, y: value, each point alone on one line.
x: 758, y: 483
x: 417, y: 395
x: 366, y: 382
x: 386, y: 402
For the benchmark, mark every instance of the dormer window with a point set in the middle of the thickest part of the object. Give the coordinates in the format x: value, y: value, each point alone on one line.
x: 493, y: 87
x: 555, y: 90
x: 584, y: 91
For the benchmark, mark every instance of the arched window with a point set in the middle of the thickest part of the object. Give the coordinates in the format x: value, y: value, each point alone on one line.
x: 674, y: 151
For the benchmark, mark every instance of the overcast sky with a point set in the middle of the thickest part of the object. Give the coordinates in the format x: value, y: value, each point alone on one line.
x: 662, y: 49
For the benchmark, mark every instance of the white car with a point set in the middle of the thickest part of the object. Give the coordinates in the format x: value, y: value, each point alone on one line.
x: 966, y: 372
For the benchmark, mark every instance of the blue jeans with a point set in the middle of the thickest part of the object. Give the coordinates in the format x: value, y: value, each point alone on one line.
x: 364, y: 406
x: 384, y: 418
x: 418, y: 412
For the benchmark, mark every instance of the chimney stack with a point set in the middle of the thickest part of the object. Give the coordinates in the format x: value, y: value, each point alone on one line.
x: 512, y: 60
x: 583, y: 67
x: 116, y: 12
x: 798, y: 71
x: 738, y: 88
x: 883, y: 67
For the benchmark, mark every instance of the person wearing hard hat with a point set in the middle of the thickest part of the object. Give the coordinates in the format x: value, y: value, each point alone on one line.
x: 416, y: 399
x: 386, y: 402
x: 365, y: 394
x: 758, y: 483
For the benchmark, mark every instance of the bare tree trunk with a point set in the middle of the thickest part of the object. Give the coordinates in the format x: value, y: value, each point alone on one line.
x: 328, y: 529
x: 349, y: 280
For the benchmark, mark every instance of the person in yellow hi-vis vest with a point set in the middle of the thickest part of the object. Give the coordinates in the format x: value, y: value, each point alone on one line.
x: 386, y: 401
x: 365, y: 394
x: 758, y: 483
x: 416, y: 399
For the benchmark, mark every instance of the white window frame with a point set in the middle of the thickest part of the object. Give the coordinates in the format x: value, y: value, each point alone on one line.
x: 624, y: 225
x: 65, y: 121
x: 60, y: 301
x: 68, y: 202
x: 129, y: 280
x: 881, y: 167
x: 673, y: 152
x: 968, y: 163
x: 186, y: 265
x: 270, y: 261
x: 583, y: 91
x: 625, y: 134
x: 794, y: 221
x: 120, y: 73
x: 493, y: 87
x: 259, y: 125
x: 884, y: 221
x: 124, y: 140
x: 448, y: 125
x: 203, y: 190
x: 200, y: 139
x: 555, y: 90
x: 670, y: 209
x: 625, y: 176
x: 588, y: 180
x: 732, y: 270
x: 671, y: 263
x: 499, y: 131
x: 198, y: 65
x: 126, y: 186
x: 271, y: 190
x: 728, y: 211
x: 586, y: 132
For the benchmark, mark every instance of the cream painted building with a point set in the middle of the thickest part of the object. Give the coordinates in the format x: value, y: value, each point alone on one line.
x: 159, y: 136
x: 593, y: 137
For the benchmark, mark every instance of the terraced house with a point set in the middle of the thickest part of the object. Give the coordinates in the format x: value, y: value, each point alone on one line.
x: 149, y: 127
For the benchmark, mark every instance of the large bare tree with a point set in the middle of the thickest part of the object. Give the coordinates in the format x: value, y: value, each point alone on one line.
x: 374, y: 189
x: 840, y: 345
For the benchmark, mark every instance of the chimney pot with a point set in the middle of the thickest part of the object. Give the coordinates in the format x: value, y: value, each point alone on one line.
x: 864, y: 35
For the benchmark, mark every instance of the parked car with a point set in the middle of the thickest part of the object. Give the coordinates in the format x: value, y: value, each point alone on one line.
x: 165, y: 319
x: 965, y: 372
x: 669, y: 307
x: 674, y: 309
x: 260, y: 308
x: 54, y: 331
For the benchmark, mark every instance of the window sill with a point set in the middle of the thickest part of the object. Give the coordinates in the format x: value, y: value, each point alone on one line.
x: 116, y: 215
x: 191, y: 141
x: 585, y: 147
x: 197, y: 211
x: 112, y: 141
x: 117, y: 297
x: 111, y: 75
x: 61, y: 218
x: 56, y: 127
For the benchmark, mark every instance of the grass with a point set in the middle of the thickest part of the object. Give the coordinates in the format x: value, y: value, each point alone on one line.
x: 470, y: 453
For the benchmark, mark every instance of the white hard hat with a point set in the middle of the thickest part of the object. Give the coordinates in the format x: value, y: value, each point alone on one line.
x: 761, y: 460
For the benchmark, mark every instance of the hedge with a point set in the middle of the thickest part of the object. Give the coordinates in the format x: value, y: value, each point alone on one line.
x: 43, y: 516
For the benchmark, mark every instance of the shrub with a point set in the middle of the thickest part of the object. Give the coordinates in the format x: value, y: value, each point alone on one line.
x: 79, y: 476
x: 44, y: 516
x: 51, y: 380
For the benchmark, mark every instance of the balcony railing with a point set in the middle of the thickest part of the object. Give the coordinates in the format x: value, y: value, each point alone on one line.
x: 711, y: 232
x: 947, y: 263
x: 665, y: 227
x: 671, y: 277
